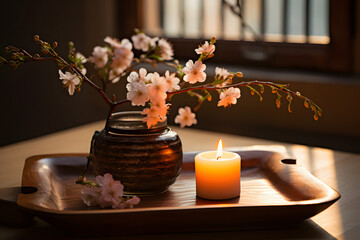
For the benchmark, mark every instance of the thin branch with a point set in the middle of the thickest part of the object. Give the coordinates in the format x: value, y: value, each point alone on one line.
x: 87, y: 80
x: 280, y: 87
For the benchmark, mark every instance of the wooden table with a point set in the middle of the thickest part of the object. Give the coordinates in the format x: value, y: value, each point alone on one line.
x: 339, y: 170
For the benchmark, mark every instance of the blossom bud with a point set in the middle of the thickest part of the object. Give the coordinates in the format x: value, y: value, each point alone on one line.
x: 319, y: 113
x: 55, y: 44
x: 316, y: 117
x: 239, y: 74
x: 36, y: 38
x: 278, y: 103
x: 36, y: 55
x: 252, y: 92
x: 306, y: 104
x: 262, y: 90
x: 44, y: 51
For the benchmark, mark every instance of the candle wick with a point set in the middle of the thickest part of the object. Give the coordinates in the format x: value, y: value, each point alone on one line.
x: 218, y: 157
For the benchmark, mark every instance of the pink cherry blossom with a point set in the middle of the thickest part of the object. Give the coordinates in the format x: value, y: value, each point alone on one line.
x: 138, y: 93
x: 69, y: 80
x: 158, y: 85
x: 129, y: 203
x: 143, y: 42
x: 229, y: 97
x: 99, y: 57
x: 171, y: 81
x: 157, y: 113
x: 111, y: 195
x: 132, y: 201
x: 107, y: 193
x: 165, y: 50
x: 111, y: 191
x: 156, y: 96
x: 206, y: 48
x: 152, y: 118
x: 142, y: 76
x: 194, y: 72
x: 90, y: 195
x: 113, y: 42
x: 123, y: 56
x: 80, y: 56
x: 161, y: 108
x: 222, y: 74
x: 185, y: 117
x: 107, y: 179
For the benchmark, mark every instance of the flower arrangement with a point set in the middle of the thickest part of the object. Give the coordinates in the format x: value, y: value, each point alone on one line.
x: 116, y: 60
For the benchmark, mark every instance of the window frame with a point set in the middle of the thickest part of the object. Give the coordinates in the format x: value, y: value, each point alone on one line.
x: 336, y: 56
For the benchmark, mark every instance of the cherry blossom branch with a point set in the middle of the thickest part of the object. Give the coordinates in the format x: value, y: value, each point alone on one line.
x: 47, y: 49
x: 144, y: 60
x: 275, y: 87
x: 115, y: 104
x: 86, y: 79
x: 105, y: 57
x: 21, y: 56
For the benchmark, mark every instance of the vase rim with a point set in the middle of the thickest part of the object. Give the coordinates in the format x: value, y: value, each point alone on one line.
x: 131, y: 122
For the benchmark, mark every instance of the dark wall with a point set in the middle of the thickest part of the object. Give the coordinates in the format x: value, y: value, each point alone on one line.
x: 33, y: 102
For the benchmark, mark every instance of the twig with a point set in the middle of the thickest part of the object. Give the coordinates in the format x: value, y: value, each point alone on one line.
x: 280, y: 87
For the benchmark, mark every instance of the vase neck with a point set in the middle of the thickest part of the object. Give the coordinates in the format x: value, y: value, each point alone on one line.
x: 132, y: 123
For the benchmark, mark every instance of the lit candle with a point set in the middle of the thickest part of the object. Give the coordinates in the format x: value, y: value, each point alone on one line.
x: 217, y: 174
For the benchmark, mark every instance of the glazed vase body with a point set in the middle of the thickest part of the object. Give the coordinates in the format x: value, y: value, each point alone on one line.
x: 146, y: 161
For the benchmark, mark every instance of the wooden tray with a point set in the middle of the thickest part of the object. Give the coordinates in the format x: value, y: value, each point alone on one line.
x: 275, y: 192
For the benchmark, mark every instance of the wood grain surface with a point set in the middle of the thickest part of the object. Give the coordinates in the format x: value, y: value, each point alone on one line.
x: 275, y: 192
x: 339, y: 170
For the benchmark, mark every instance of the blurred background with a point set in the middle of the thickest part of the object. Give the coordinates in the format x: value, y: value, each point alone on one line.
x: 314, y: 45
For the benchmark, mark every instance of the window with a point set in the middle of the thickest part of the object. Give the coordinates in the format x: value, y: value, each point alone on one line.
x: 302, y: 34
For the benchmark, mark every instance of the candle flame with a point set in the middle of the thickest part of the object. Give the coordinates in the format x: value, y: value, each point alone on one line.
x: 219, y: 150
